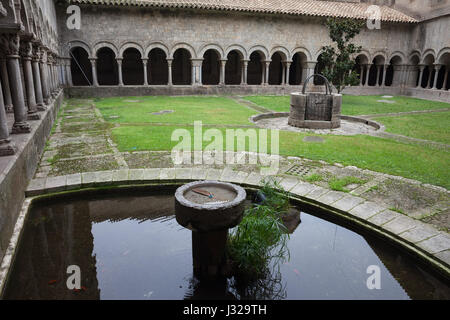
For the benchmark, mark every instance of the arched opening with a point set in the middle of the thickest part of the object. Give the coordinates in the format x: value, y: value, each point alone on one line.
x: 415, y: 71
x: 296, y: 69
x: 211, y: 67
x: 392, y: 75
x: 181, y: 67
x: 80, y: 67
x: 255, y: 69
x: 320, y: 66
x: 107, y: 70
x: 361, y: 62
x: 132, y: 67
x: 376, y: 71
x: 159, y: 70
x: 428, y: 72
x: 276, y: 69
x: 233, y: 68
x: 444, y: 84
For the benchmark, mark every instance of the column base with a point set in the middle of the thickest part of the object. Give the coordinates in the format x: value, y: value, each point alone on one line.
x: 41, y: 107
x: 33, y: 116
x: 7, y: 148
x: 21, y: 127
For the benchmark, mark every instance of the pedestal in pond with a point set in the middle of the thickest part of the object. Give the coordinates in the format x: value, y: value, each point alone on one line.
x: 209, y: 209
x: 315, y: 110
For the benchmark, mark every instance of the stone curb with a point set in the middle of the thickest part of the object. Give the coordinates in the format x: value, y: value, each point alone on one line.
x: 422, y: 237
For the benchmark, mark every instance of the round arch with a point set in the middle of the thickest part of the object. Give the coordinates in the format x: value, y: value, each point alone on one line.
x: 261, y: 50
x: 285, y: 55
x: 105, y: 44
x: 129, y: 45
x: 218, y: 49
x: 239, y: 49
x: 156, y: 45
x: 184, y: 46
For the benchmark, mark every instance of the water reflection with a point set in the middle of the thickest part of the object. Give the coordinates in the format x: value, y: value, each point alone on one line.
x: 131, y: 247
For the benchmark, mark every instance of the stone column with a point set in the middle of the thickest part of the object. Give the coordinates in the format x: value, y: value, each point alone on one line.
x: 169, y: 65
x: 12, y: 43
x: 119, y: 68
x: 437, y: 67
x: 288, y: 69
x: 49, y: 75
x: 7, y: 148
x: 44, y: 77
x: 196, y: 71
x: 223, y: 63
x: 383, y: 82
x: 26, y: 52
x: 94, y: 71
x: 444, y: 84
x: 378, y: 75
x: 7, y: 89
x: 361, y: 75
x: 283, y: 73
x: 308, y: 70
x: 244, y: 72
x: 37, y: 79
x: 68, y: 72
x: 145, y: 63
x: 266, y: 70
x: 367, y: 74
x: 421, y: 68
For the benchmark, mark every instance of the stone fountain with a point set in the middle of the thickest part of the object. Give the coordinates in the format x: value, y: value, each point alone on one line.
x: 209, y: 209
x: 316, y: 110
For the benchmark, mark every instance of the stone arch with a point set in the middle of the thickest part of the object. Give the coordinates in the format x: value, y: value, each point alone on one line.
x: 185, y: 46
x: 80, y: 66
x: 441, y: 54
x: 233, y: 66
x: 379, y: 57
x: 398, y: 54
x: 239, y: 49
x: 217, y: 48
x: 129, y: 45
x: 262, y: 50
x: 304, y: 51
x: 107, y: 68
x: 427, y: 55
x: 132, y: 66
x: 157, y: 67
x: 276, y: 68
x: 181, y: 66
x: 286, y: 56
x: 156, y: 45
x: 414, y: 55
x: 78, y: 43
x: 105, y: 44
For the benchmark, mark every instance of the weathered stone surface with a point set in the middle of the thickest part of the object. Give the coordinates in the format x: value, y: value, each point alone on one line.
x: 303, y: 188
x: 55, y: 184
x: 367, y: 209
x: 35, y: 187
x: 444, y: 256
x: 400, y: 224
x: 152, y: 174
x: 183, y: 173
x: 136, y: 175
x: 384, y: 217
x: 347, y: 203
x: 88, y: 179
x: 331, y: 197
x: 289, y: 183
x: 436, y: 244
x: 198, y: 174
x: 317, y: 192
x: 213, y: 174
x: 120, y: 176
x: 254, y: 178
x: 167, y: 174
x: 73, y: 181
x: 420, y: 233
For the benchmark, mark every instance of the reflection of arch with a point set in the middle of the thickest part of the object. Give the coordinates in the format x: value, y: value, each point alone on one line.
x: 302, y: 50
x: 239, y: 49
x: 78, y: 43
x: 218, y: 49
x: 155, y: 45
x: 129, y: 45
x: 285, y: 55
x: 105, y: 44
x: 184, y: 46
x: 262, y: 50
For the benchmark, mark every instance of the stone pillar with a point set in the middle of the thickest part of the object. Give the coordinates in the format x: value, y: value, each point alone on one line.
x: 436, y: 73
x: 367, y: 74
x: 266, y: 72
x: 308, y: 70
x: 223, y: 63
x: 12, y: 42
x: 383, y: 82
x: 283, y: 73
x: 145, y: 63
x: 444, y: 84
x: 244, y: 72
x: 430, y: 73
x: 119, y: 68
x: 26, y: 52
x: 196, y: 71
x: 169, y: 65
x: 378, y: 75
x: 361, y: 75
x: 37, y: 80
x: 44, y: 77
x: 94, y: 71
x: 68, y: 72
x: 49, y: 75
x: 288, y: 69
x: 7, y: 148
x: 421, y: 68
x: 7, y: 89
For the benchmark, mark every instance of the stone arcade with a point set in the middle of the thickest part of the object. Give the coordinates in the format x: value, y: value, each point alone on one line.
x: 148, y: 47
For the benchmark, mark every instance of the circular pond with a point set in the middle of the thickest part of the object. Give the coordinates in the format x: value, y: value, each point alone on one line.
x: 129, y: 246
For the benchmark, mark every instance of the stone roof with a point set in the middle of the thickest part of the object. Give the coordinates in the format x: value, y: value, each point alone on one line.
x: 290, y: 7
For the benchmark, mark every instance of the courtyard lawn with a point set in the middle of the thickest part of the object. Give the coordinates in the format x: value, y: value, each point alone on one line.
x: 423, y: 163
x: 431, y: 126
x: 356, y: 105
x: 209, y: 110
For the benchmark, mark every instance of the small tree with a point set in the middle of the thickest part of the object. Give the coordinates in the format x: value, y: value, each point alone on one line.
x: 337, y: 58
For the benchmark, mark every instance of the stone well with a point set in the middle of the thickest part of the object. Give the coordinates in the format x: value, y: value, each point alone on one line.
x: 315, y: 110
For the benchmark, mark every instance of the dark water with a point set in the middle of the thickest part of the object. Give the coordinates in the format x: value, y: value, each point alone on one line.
x: 131, y: 247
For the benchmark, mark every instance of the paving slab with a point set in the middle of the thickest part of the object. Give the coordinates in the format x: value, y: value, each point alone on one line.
x: 444, y: 256
x: 384, y: 217
x: 367, y: 209
x: 120, y: 176
x: 348, y: 203
x: 151, y: 174
x: 303, y: 188
x: 73, y: 181
x: 254, y: 178
x: 36, y: 187
x: 436, y: 244
x: 198, y: 174
x: 213, y: 174
x: 317, y: 193
x: 420, y: 233
x: 88, y: 178
x: 104, y: 177
x: 136, y: 175
x: 55, y: 184
x: 289, y: 183
x: 331, y: 197
x: 167, y: 174
x: 183, y: 173
x: 401, y: 224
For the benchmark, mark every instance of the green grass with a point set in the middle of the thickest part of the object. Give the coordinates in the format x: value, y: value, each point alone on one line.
x: 209, y: 110
x: 432, y: 126
x: 356, y: 105
x: 339, y: 184
x: 423, y: 163
x: 315, y: 177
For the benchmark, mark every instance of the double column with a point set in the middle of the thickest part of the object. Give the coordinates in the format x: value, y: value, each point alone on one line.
x: 27, y: 52
x: 196, y: 72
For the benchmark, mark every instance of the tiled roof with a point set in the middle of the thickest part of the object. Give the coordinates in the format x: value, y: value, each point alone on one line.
x: 291, y: 7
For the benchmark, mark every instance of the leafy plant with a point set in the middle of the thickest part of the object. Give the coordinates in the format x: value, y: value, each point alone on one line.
x: 338, y: 59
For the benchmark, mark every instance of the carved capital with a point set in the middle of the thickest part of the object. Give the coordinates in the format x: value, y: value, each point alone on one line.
x: 26, y: 49
x: 11, y: 44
